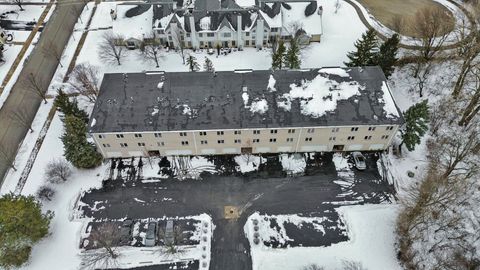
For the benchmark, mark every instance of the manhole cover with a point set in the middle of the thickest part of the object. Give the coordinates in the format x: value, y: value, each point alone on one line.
x: 231, y: 212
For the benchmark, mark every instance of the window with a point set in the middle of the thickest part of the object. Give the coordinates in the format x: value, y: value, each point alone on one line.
x: 200, y: 34
x: 335, y: 129
x: 237, y: 132
x: 203, y: 133
x: 289, y: 139
x: 371, y: 128
x: 202, y: 44
x: 256, y: 140
x: 354, y: 129
x: 141, y: 144
x: 158, y: 135
x: 188, y: 34
x: 310, y: 130
x: 220, y: 141
x: 384, y: 137
x: 368, y: 138
x: 308, y: 139
x: 247, y: 43
x: 273, y: 140
x: 273, y: 131
x: 100, y: 136
x: 203, y: 142
x: 219, y: 133
x: 183, y: 134
x: 210, y: 34
x: 123, y: 145
x: 256, y: 131
x: 184, y: 142
x: 332, y: 138
x: 106, y: 145
x: 119, y: 135
x: 137, y: 135
x: 350, y: 138
x: 273, y: 30
x: 390, y: 128
x: 160, y: 143
x: 253, y: 42
x: 238, y: 141
x: 291, y: 131
x: 227, y: 34
x: 247, y: 34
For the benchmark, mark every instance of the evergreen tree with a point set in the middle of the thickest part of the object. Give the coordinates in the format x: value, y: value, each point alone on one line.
x: 277, y: 56
x: 78, y: 150
x: 416, y: 124
x: 387, y: 55
x: 67, y: 107
x: 22, y: 224
x: 292, y: 58
x: 208, y: 65
x: 366, y: 50
x: 192, y: 63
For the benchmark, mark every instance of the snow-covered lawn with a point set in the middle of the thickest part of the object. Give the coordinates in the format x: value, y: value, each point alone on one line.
x: 30, y: 12
x: 9, y: 54
x: 371, y: 232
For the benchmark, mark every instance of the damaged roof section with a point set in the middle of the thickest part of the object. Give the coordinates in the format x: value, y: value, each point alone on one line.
x: 160, y: 101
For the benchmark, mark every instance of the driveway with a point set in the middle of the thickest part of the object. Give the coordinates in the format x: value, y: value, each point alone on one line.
x: 312, y: 195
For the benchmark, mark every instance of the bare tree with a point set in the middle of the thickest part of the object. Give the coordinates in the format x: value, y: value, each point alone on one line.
x: 58, y: 170
x: 178, y: 41
x: 398, y: 23
x: 19, y: 4
x: 105, y: 238
x: 431, y: 26
x: 151, y: 52
x: 52, y: 50
x: 84, y: 81
x: 352, y: 265
x: 20, y: 117
x: 313, y: 267
x: 45, y: 193
x: 7, y: 156
x: 472, y: 107
x: 35, y: 85
x: 112, y: 48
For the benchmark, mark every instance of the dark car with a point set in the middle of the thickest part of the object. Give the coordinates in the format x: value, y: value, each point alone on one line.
x: 126, y: 231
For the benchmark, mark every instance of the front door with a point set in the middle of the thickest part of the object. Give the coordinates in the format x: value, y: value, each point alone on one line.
x: 246, y: 150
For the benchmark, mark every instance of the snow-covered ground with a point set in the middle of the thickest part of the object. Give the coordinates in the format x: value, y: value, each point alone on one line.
x: 9, y: 54
x: 371, y: 232
x: 30, y: 12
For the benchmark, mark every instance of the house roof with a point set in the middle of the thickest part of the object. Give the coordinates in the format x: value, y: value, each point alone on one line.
x: 160, y: 101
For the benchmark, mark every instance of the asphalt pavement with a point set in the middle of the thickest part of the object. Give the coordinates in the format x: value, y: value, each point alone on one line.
x: 312, y: 195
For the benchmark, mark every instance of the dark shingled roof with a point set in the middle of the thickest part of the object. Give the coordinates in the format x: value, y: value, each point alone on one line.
x: 138, y: 104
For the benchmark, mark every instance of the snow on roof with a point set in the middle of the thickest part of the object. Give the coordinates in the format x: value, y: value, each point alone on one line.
x: 135, y: 27
x: 164, y: 21
x: 320, y: 95
x: 245, y: 3
x: 389, y: 104
x: 259, y: 106
x: 245, y: 99
x: 311, y: 24
x: 272, y: 22
x: 205, y: 23
x: 335, y: 71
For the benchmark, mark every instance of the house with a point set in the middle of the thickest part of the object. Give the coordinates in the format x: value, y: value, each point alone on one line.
x: 244, y: 111
x: 212, y: 23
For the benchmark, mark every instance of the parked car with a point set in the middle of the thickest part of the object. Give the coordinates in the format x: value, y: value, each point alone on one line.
x: 151, y: 235
x: 169, y: 236
x: 359, y: 160
x: 126, y: 231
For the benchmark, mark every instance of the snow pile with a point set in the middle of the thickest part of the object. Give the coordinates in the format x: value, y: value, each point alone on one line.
x: 271, y: 84
x: 248, y: 163
x: 259, y: 106
x: 369, y: 227
x: 245, y: 99
x: 319, y: 95
x: 293, y: 163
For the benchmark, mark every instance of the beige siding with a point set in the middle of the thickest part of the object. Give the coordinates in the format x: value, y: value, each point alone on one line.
x: 307, y: 139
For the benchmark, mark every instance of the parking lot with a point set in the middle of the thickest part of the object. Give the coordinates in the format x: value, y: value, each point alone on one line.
x: 267, y: 191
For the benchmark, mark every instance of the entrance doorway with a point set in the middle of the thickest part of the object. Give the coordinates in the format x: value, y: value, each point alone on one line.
x: 338, y: 147
x: 246, y: 150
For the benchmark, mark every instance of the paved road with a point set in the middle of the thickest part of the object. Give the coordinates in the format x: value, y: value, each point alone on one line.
x: 310, y: 195
x: 58, y: 31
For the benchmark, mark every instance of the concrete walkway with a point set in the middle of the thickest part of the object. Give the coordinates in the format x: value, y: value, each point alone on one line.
x: 57, y: 31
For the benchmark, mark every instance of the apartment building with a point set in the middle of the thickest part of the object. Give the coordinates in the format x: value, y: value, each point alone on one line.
x: 211, y: 23
x: 244, y: 111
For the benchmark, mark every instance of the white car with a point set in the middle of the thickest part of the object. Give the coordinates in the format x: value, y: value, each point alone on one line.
x: 359, y: 160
